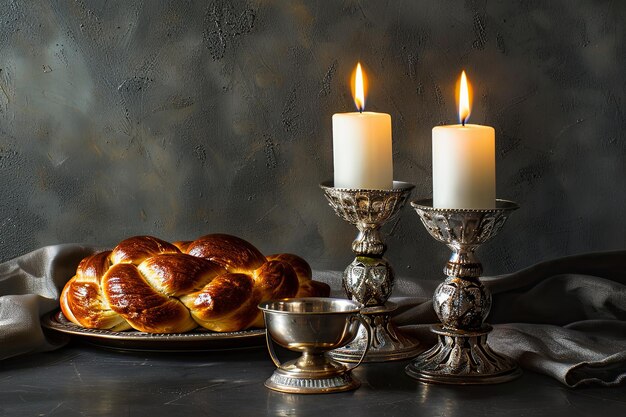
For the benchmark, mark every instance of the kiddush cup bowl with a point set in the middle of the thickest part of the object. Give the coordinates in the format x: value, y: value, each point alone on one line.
x: 312, y: 326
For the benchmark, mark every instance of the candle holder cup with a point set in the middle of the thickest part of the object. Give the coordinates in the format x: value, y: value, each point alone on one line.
x: 369, y: 278
x: 462, y: 302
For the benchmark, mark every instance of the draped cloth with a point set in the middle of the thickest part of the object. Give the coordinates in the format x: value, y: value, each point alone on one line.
x: 565, y: 318
x: 30, y: 286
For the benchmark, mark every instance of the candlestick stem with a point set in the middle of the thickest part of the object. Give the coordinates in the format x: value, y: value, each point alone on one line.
x: 461, y: 301
x: 369, y: 241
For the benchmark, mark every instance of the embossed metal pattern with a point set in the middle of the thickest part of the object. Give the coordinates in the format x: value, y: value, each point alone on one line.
x: 368, y: 280
x: 459, y: 358
x: 470, y: 227
x: 368, y: 210
x: 297, y: 385
x: 461, y: 303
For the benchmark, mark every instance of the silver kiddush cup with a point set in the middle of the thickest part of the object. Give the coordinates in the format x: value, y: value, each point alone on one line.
x: 312, y: 326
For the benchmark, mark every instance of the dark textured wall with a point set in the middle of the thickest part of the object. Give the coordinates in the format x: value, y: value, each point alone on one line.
x: 182, y: 118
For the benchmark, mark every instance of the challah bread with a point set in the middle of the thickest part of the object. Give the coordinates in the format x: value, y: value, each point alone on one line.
x: 307, y: 287
x: 154, y: 286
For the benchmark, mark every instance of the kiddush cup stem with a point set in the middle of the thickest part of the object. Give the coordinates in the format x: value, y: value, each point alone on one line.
x: 311, y: 361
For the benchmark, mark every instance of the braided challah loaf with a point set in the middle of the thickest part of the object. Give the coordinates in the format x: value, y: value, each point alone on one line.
x: 154, y: 286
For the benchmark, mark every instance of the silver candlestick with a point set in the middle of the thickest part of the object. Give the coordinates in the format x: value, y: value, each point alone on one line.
x: 462, y: 355
x: 369, y: 278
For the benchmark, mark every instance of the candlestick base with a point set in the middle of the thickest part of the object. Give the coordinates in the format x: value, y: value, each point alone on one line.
x: 462, y: 357
x: 386, y: 344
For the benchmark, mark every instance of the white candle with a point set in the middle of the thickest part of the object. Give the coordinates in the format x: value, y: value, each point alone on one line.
x: 362, y: 153
x: 464, y: 167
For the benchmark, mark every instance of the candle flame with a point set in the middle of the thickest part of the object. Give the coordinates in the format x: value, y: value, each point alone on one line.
x: 358, y: 87
x: 464, y: 96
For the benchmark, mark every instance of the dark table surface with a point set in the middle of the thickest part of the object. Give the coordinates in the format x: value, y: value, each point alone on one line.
x: 83, y: 380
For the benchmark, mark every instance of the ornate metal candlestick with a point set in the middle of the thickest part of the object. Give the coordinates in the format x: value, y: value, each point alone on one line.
x: 369, y: 278
x: 462, y: 355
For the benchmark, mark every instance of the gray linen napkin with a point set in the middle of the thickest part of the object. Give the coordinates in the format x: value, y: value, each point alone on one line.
x: 30, y: 287
x: 565, y: 318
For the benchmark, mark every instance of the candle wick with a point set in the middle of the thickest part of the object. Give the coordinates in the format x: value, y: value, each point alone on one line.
x: 463, y: 122
x: 361, y: 110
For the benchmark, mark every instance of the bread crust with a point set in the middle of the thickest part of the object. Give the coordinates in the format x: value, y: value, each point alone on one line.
x: 138, y: 248
x: 82, y: 300
x: 145, y: 309
x: 231, y: 252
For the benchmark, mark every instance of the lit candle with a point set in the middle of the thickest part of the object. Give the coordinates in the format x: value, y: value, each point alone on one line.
x: 464, y: 161
x: 362, y: 145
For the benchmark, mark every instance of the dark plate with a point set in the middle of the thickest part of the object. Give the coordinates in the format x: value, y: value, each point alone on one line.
x: 197, y: 340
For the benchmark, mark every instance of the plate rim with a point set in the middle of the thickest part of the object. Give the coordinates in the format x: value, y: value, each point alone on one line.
x: 56, y: 321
